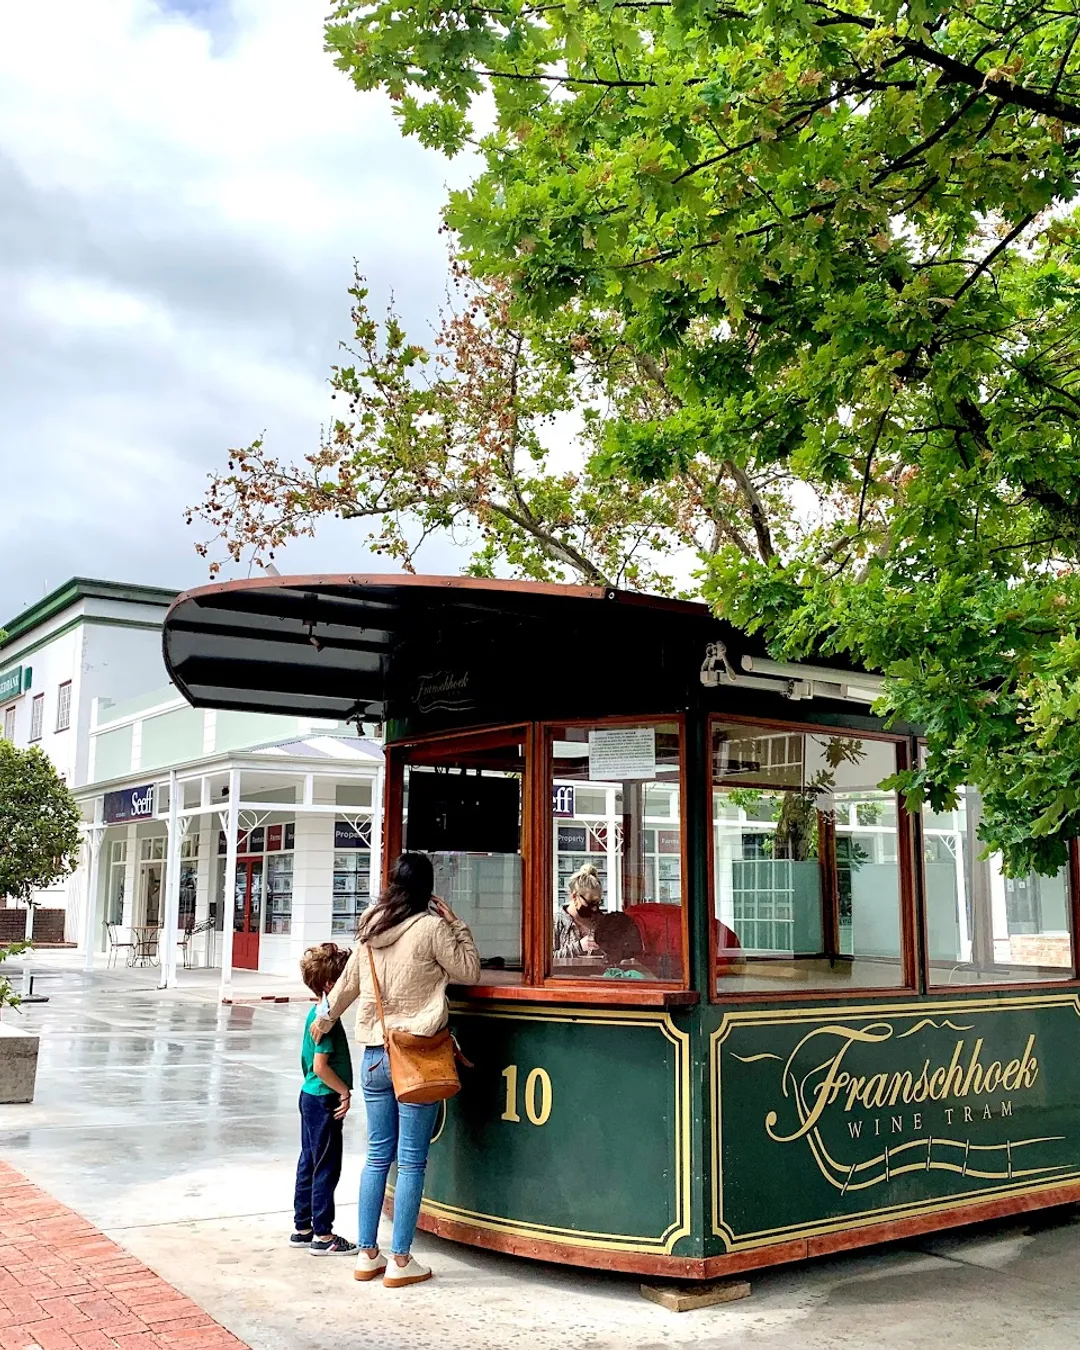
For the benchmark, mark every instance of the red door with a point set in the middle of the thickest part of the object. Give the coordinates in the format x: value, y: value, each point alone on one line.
x: 247, y: 913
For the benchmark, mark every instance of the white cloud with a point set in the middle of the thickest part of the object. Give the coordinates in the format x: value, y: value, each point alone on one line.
x: 181, y: 198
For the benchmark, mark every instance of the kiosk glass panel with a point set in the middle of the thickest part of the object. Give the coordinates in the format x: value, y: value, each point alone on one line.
x: 982, y: 926
x: 462, y: 807
x: 617, y: 840
x: 805, y: 862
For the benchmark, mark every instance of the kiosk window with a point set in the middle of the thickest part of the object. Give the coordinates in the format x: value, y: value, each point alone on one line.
x: 984, y: 927
x: 806, y: 876
x: 462, y: 807
x: 617, y: 837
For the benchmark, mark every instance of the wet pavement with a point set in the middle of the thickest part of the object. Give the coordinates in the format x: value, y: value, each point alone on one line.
x: 169, y: 1121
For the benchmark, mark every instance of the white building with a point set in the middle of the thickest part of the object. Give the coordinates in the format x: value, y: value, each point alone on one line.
x: 81, y: 676
x: 85, y: 641
x: 170, y: 786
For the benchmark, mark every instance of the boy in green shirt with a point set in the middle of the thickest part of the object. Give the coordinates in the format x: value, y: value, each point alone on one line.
x: 325, y: 1099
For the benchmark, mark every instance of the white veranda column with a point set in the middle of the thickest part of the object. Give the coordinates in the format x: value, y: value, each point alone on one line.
x: 228, y: 890
x: 172, y: 889
x: 95, y: 837
x: 377, y: 802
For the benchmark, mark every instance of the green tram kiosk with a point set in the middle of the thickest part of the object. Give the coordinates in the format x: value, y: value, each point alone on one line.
x: 819, y: 1022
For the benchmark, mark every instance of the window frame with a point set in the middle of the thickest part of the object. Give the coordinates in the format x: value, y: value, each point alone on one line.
x: 37, y: 718
x: 543, y: 931
x: 912, y: 959
x: 12, y: 711
x: 534, y: 986
x: 449, y: 745
x: 1072, y: 881
x: 60, y: 709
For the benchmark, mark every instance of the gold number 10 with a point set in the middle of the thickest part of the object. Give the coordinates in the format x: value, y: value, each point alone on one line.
x: 537, y: 1085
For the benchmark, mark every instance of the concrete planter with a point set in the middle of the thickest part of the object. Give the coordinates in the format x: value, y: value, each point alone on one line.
x: 18, y: 1064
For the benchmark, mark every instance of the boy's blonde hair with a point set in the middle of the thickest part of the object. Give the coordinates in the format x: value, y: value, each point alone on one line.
x: 322, y: 965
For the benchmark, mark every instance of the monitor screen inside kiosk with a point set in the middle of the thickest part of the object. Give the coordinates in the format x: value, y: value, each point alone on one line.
x: 451, y: 811
x: 462, y: 807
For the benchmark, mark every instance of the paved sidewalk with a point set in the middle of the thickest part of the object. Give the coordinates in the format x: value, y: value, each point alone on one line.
x: 170, y: 1123
x: 65, y: 1286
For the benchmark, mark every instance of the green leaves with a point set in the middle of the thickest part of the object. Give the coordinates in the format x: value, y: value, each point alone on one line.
x: 813, y: 272
x: 39, y: 823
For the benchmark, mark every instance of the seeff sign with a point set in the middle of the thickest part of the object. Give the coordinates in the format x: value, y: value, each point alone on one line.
x: 129, y: 804
x: 824, y: 1118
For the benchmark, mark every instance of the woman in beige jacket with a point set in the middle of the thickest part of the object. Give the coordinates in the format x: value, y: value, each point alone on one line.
x: 419, y: 946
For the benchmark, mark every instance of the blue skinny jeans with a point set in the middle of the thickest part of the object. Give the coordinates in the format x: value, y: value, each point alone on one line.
x: 398, y: 1131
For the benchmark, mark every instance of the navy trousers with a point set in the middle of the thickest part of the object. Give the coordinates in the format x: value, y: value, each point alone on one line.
x: 319, y: 1168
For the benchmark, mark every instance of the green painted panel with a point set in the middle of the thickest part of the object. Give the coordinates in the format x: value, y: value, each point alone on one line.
x: 608, y: 1165
x: 238, y: 730
x: 112, y: 757
x: 827, y: 1118
x: 128, y: 707
x: 172, y: 738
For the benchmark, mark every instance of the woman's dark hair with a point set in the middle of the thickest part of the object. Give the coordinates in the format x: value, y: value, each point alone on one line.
x: 408, y: 892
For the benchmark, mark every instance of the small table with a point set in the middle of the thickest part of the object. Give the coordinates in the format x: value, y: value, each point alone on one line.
x: 145, y: 950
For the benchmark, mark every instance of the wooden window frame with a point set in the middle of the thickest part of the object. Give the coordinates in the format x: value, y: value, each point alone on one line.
x: 1072, y: 881
x: 37, y: 718
x: 543, y: 925
x: 912, y: 985
x: 65, y: 726
x: 536, y: 985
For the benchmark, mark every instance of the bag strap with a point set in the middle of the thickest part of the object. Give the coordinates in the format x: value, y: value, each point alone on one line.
x: 378, y: 996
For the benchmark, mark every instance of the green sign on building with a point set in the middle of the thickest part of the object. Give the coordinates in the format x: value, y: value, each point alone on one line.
x: 11, y: 683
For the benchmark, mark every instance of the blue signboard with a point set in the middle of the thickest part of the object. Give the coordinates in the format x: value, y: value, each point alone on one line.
x: 347, y: 836
x: 129, y: 804
x: 562, y: 801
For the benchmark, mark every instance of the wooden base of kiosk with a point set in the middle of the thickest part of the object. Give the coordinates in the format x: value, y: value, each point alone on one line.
x: 723, y: 1267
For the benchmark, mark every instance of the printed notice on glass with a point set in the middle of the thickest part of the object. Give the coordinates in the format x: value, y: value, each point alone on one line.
x: 619, y: 753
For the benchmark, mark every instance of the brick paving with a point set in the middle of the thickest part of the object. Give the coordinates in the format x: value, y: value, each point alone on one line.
x: 65, y: 1286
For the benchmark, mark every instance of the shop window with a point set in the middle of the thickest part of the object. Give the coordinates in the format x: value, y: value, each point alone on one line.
x: 262, y: 839
x: 617, y: 882
x: 63, y: 706
x: 352, y: 875
x: 279, y: 888
x: 189, y: 878
x: 114, y: 895
x: 805, y: 861
x: 463, y: 808
x: 982, y: 926
x: 37, y: 716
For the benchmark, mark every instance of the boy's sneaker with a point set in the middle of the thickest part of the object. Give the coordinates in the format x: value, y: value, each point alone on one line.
x: 332, y: 1246
x: 301, y: 1239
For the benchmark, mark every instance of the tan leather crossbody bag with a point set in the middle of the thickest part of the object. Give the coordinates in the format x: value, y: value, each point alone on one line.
x: 422, y: 1068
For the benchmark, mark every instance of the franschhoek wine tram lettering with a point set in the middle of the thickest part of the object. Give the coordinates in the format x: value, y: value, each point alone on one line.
x: 803, y: 1018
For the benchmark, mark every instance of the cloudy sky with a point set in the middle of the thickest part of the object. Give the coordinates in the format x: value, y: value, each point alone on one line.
x: 184, y: 185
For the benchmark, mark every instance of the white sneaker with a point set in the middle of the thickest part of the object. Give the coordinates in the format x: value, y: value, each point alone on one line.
x: 397, y: 1277
x: 368, y: 1267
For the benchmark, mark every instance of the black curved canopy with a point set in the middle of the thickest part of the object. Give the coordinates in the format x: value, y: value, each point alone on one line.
x: 379, y: 646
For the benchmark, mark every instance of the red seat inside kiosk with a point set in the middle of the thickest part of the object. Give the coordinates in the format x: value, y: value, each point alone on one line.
x: 660, y: 927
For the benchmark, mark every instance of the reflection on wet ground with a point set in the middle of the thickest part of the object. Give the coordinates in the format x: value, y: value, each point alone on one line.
x: 137, y: 1087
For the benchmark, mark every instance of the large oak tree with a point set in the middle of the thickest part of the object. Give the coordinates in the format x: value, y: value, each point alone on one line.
x: 821, y: 257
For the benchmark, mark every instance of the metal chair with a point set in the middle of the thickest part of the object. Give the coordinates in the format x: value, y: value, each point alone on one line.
x: 192, y: 929
x: 112, y: 933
